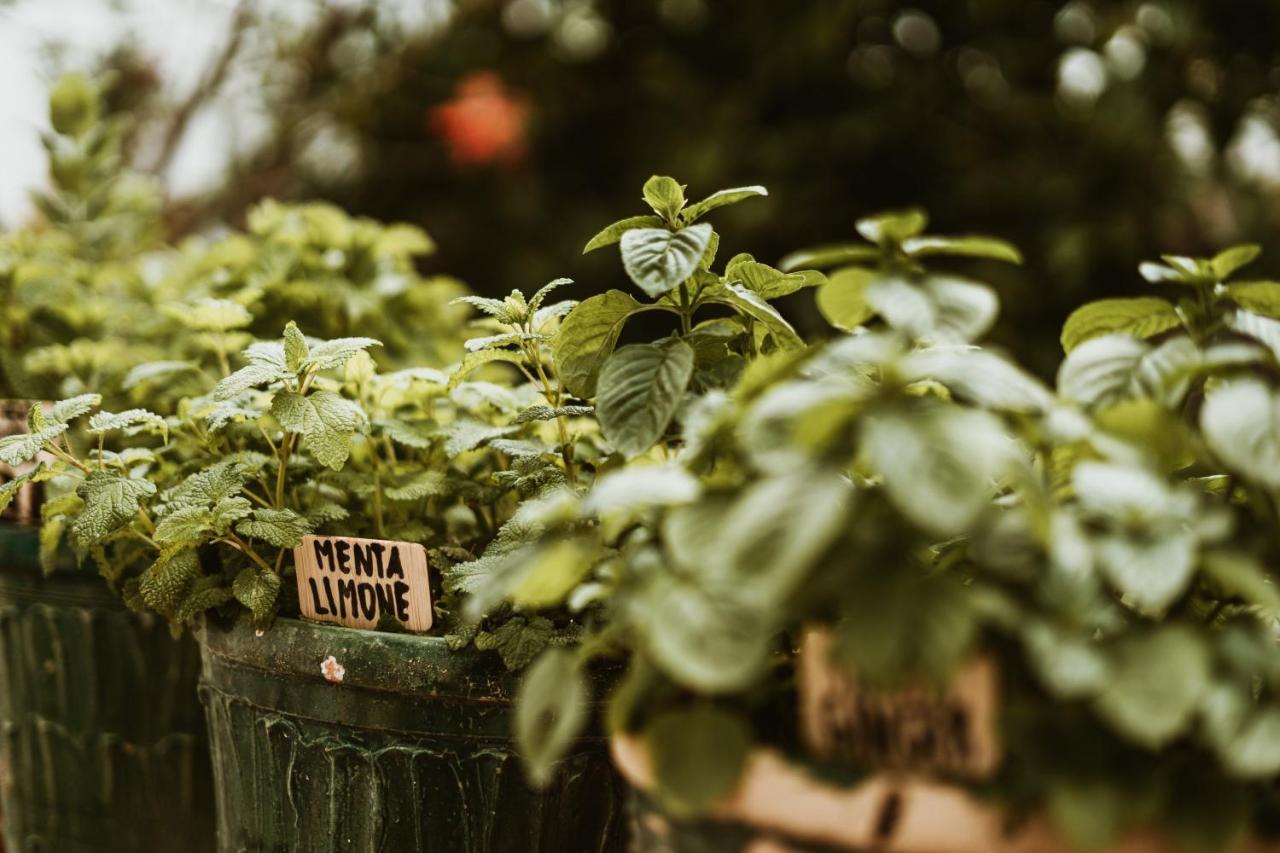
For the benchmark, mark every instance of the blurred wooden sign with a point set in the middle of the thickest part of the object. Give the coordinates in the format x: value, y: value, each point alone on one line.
x: 361, y: 582
x: 951, y: 731
x: 25, y: 506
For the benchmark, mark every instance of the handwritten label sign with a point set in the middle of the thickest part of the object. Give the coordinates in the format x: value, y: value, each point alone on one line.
x: 360, y: 582
x: 950, y: 731
x: 25, y: 506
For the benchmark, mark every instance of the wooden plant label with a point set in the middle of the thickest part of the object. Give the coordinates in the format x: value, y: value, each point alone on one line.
x: 359, y: 582
x: 951, y: 731
x: 25, y: 506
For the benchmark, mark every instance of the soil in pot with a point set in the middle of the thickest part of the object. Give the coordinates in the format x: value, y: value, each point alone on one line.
x: 332, y: 739
x: 103, y: 747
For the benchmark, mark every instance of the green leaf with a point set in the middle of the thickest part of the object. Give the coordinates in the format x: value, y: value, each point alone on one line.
x: 417, y: 485
x: 698, y: 757
x: 110, y: 502
x: 326, y: 355
x: 296, y: 349
x: 325, y: 421
x: 257, y: 589
x: 1241, y: 424
x: 892, y: 226
x: 209, y: 486
x: 613, y: 233
x: 551, y: 573
x: 834, y: 255
x: 633, y: 488
x: 721, y: 198
x: 153, y: 370
x: 1101, y: 370
x: 496, y: 308
x: 131, y: 422
x: 1264, y: 330
x: 842, y: 301
x: 939, y: 465
x: 1228, y: 261
x: 665, y: 196
x: 476, y: 359
x: 978, y: 376
x: 707, y: 639
x: 185, y: 525
x: 67, y: 410
x: 465, y: 435
x: 900, y: 627
x: 640, y: 387
x: 1260, y: 297
x: 1157, y: 681
x: 1091, y: 812
x: 266, y: 365
x: 551, y: 711
x: 403, y: 239
x: 547, y: 413
x: 1070, y: 665
x: 587, y: 337
x: 165, y: 582
x: 74, y: 104
x: 772, y: 537
x: 968, y: 246
x: 518, y: 641
x: 23, y: 447
x: 282, y: 528
x: 658, y: 260
x: 767, y: 282
x: 1254, y: 752
x: 752, y: 305
x: 212, y: 315
x: 1237, y: 574
x: 1143, y: 317
x: 535, y: 304
x: 963, y: 310
x: 1159, y: 273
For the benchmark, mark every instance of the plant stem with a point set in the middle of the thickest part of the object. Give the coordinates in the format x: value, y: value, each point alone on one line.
x: 286, y: 448
x: 551, y: 391
x: 65, y: 457
x: 243, y: 547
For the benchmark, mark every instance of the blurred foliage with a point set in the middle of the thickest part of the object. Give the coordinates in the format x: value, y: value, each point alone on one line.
x: 1089, y: 134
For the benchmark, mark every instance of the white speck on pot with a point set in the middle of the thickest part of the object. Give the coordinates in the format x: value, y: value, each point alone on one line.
x: 332, y: 670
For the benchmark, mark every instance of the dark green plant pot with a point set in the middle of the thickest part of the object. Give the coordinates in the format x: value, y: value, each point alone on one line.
x: 103, y: 747
x: 412, y: 751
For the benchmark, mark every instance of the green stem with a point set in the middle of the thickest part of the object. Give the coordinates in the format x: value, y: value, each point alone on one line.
x: 243, y: 547
x: 65, y: 457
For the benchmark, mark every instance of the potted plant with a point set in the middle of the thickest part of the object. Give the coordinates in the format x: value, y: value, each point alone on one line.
x: 1019, y: 622
x: 105, y: 746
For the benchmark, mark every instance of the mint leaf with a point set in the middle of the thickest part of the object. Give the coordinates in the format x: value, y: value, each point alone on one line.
x: 551, y: 711
x: 296, y: 349
x: 325, y: 421
x: 110, y: 502
x: 640, y: 387
x: 283, y: 528
x: 587, y: 337
x: 23, y: 447
x: 658, y: 260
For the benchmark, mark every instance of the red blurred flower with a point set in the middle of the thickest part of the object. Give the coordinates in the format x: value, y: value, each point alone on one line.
x: 484, y: 123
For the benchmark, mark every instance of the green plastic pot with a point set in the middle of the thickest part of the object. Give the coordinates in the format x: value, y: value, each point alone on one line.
x: 410, y: 751
x: 103, y: 747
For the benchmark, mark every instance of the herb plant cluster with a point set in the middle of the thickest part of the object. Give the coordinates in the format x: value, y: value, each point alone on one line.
x: 678, y: 512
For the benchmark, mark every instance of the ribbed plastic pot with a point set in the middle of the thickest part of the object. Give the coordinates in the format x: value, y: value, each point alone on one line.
x: 410, y: 751
x: 102, y: 744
